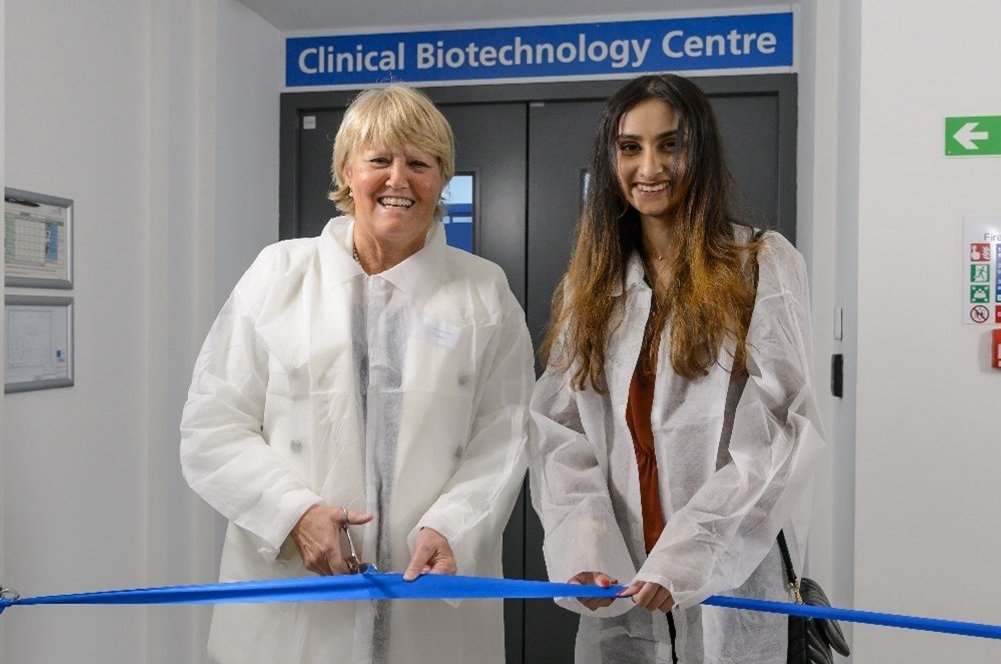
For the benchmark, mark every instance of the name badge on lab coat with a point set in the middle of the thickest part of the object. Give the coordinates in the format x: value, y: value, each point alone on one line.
x: 439, y: 333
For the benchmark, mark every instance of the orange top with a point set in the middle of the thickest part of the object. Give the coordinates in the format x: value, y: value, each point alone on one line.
x: 638, y: 418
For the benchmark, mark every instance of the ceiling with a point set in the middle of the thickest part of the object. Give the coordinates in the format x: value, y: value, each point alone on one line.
x: 391, y: 15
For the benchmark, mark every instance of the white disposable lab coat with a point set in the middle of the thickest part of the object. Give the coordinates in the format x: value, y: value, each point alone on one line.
x: 403, y: 394
x: 735, y: 463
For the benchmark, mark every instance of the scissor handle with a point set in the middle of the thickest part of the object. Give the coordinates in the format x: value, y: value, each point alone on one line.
x: 355, y: 565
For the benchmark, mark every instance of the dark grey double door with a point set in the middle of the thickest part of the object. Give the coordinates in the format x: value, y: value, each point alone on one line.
x: 527, y: 148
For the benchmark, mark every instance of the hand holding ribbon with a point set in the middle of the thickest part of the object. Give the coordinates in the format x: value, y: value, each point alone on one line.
x: 432, y: 555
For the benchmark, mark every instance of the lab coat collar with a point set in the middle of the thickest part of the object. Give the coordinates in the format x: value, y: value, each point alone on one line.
x: 635, y: 275
x: 415, y: 275
x: 421, y: 272
x: 335, y: 246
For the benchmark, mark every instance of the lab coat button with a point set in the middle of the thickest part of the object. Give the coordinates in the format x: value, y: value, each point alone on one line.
x: 296, y: 446
x: 463, y: 380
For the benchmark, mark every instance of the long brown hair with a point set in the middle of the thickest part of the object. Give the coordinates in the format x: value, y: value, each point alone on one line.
x: 709, y: 298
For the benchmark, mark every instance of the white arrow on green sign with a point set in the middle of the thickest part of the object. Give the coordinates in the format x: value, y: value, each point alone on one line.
x: 973, y: 135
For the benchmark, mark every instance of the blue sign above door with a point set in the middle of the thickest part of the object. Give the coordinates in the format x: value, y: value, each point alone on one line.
x: 539, y: 52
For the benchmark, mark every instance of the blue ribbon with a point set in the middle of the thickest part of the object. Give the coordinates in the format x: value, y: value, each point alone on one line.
x: 980, y: 630
x: 435, y: 586
x: 330, y: 588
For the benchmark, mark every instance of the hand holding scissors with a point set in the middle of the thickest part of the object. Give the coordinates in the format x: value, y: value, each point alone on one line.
x: 317, y: 536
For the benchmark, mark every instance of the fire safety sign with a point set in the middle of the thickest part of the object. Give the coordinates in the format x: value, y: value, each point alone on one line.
x: 981, y: 303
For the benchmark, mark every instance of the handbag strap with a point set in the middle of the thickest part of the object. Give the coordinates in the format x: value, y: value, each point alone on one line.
x: 790, y: 570
x: 758, y: 234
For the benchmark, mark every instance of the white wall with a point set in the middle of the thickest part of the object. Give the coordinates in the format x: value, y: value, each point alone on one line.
x: 179, y: 252
x: 250, y: 65
x: 844, y: 134
x: 928, y: 438
x: 915, y: 439
x: 222, y: 163
x: 3, y: 480
x: 130, y: 124
x: 73, y: 490
x: 817, y: 154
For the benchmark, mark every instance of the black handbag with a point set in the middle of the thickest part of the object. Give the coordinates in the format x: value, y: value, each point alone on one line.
x: 810, y: 639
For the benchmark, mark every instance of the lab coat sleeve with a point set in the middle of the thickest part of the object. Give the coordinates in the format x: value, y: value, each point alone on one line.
x: 476, y: 502
x: 721, y: 535
x: 570, y: 493
x: 224, y: 456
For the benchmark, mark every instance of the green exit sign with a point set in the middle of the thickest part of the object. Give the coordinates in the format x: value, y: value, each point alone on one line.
x: 973, y: 136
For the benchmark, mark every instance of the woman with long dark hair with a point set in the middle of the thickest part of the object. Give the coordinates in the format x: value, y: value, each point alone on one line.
x: 675, y: 427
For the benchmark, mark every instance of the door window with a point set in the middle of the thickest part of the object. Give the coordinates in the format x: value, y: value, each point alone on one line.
x: 458, y: 221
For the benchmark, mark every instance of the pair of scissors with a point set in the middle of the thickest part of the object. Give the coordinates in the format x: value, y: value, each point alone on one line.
x: 354, y: 563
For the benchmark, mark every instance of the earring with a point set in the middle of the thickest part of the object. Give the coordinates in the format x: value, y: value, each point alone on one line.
x: 351, y: 194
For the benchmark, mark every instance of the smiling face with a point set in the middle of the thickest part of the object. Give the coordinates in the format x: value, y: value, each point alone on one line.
x: 395, y: 192
x: 645, y: 150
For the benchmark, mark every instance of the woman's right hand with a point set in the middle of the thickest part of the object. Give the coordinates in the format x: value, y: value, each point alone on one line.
x: 317, y: 535
x: 594, y: 579
x: 651, y: 596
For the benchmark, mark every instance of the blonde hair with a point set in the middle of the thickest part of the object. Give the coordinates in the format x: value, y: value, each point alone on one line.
x: 392, y: 117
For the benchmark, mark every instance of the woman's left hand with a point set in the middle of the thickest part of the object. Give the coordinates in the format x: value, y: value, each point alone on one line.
x: 594, y: 579
x: 432, y: 555
x: 651, y: 596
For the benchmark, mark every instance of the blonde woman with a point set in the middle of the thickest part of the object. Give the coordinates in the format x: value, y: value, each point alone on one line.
x: 374, y: 380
